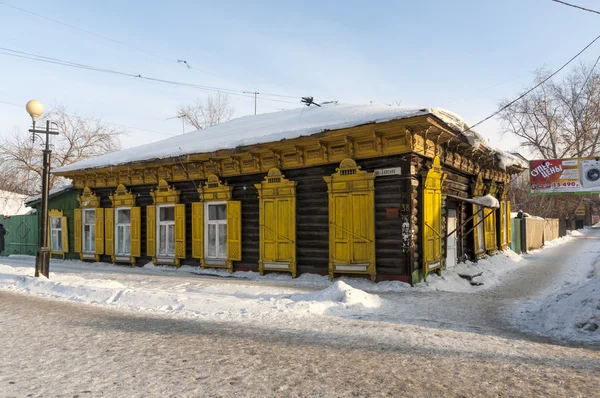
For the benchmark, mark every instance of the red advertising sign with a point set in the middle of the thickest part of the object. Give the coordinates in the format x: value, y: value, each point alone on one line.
x: 577, y: 175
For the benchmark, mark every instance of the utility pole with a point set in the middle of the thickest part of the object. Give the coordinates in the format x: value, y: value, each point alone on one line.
x: 255, y: 94
x: 180, y: 117
x: 42, y: 260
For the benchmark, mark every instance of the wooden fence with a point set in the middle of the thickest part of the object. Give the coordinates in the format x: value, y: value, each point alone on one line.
x: 531, y: 233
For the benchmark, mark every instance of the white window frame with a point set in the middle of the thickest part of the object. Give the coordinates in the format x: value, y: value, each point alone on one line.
x: 208, y: 222
x: 52, y: 231
x: 83, y: 225
x: 167, y: 223
x: 117, y: 225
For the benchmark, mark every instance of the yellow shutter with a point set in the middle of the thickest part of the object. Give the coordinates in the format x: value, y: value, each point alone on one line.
x: 234, y: 230
x: 286, y: 229
x: 65, y: 234
x: 503, y: 234
x: 109, y: 231
x: 197, y: 229
x: 78, y: 229
x: 269, y: 232
x: 136, y: 219
x: 509, y: 222
x: 340, y: 228
x: 151, y: 231
x: 180, y: 230
x: 490, y: 229
x: 99, y: 220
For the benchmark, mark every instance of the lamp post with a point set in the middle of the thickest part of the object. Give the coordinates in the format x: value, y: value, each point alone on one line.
x: 42, y: 261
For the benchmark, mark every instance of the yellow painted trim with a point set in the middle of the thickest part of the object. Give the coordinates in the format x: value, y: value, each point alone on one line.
x: 351, y: 193
x: 431, y: 220
x: 64, y: 227
x: 277, y: 223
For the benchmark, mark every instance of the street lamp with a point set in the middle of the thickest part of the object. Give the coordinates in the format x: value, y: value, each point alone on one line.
x: 42, y: 261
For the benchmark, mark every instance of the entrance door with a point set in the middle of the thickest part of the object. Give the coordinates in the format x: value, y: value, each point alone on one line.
x: 451, y: 240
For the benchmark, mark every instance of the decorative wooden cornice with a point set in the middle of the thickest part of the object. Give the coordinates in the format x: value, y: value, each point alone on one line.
x: 122, y: 197
x: 434, y: 179
x: 213, y: 190
x: 276, y: 185
x: 478, y: 186
x: 165, y: 194
x: 88, y: 199
x: 419, y: 135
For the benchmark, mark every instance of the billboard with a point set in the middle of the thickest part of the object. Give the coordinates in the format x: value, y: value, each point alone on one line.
x: 575, y: 175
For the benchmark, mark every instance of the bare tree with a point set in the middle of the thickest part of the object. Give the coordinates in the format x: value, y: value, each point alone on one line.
x: 79, y: 138
x: 559, y: 119
x: 213, y: 110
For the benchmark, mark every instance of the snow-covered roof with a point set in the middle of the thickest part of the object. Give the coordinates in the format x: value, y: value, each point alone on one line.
x: 271, y: 127
x: 54, y: 191
x: 13, y: 204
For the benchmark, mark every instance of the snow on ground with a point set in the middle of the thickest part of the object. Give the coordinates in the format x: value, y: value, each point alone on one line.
x: 487, y: 272
x: 178, y: 292
x: 565, y: 298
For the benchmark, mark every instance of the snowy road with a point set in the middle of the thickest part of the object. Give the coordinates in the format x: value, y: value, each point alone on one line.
x: 54, y: 349
x: 193, y: 335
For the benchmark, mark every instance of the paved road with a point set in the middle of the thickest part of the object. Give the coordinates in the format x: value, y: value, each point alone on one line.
x: 441, y: 344
x: 56, y: 349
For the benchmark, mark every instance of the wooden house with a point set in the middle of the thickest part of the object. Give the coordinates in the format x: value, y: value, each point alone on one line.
x: 62, y: 203
x: 337, y: 189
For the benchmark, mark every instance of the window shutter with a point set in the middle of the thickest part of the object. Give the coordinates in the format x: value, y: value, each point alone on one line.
x: 99, y: 220
x: 151, y: 231
x: 65, y: 234
x: 78, y: 230
x: 135, y: 231
x: 509, y: 222
x: 109, y: 231
x: 234, y: 230
x: 198, y: 229
x: 180, y: 230
x: 502, y: 223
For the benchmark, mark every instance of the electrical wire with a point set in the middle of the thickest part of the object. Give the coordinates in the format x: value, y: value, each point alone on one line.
x: 576, y: 6
x: 170, y: 60
x: 57, y: 61
x: 533, y: 88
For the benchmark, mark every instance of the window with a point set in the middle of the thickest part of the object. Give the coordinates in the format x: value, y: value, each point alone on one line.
x: 216, y: 230
x: 89, y: 230
x: 123, y: 232
x: 166, y: 230
x: 56, y: 244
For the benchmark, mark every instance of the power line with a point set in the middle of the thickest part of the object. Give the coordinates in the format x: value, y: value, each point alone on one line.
x: 104, y: 37
x: 170, y: 60
x: 57, y: 61
x: 534, y: 87
x: 576, y: 6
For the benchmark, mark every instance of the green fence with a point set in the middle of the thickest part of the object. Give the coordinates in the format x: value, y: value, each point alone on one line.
x: 515, y: 243
x: 22, y: 235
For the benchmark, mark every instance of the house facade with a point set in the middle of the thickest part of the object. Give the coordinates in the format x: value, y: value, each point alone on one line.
x: 362, y: 190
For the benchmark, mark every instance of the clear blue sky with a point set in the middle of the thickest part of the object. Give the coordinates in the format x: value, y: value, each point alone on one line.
x: 460, y: 55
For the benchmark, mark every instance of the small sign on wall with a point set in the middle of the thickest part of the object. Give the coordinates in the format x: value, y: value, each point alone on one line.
x: 392, y: 212
x: 391, y: 171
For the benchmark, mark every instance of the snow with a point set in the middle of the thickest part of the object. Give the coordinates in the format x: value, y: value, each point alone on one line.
x: 486, y: 201
x: 54, y: 191
x: 272, y: 127
x: 489, y: 269
x: 13, y: 204
x: 563, y: 309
